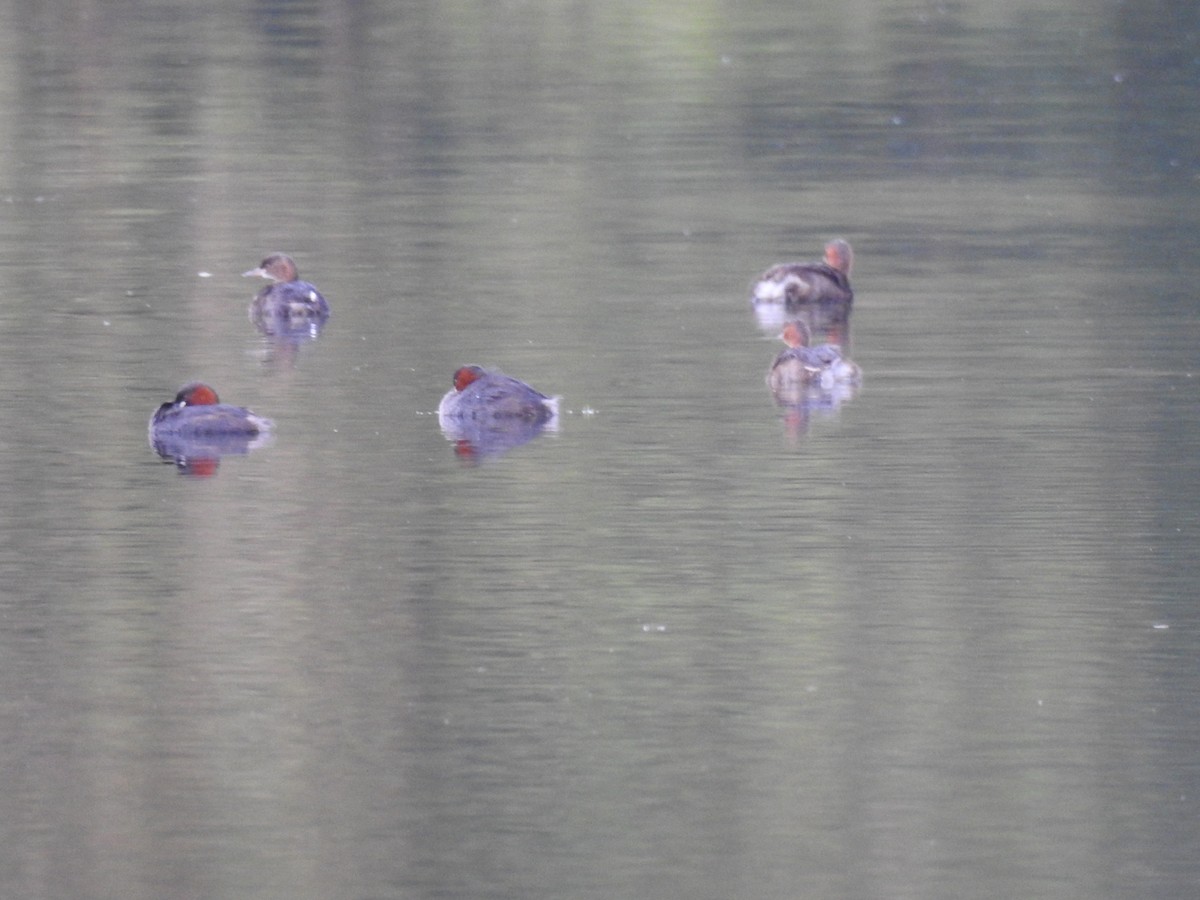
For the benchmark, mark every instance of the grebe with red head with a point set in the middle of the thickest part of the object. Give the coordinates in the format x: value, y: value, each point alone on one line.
x: 196, y: 411
x: 489, y: 394
x: 822, y: 366
x: 797, y: 284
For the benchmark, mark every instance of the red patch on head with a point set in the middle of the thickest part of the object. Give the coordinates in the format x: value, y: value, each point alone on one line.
x: 198, y: 395
x: 465, y: 376
x: 795, y: 334
x: 837, y: 256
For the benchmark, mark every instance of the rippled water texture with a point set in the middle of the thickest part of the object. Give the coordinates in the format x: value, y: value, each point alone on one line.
x: 933, y: 638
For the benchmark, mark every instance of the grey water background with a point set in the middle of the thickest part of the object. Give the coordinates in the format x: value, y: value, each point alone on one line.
x: 939, y: 642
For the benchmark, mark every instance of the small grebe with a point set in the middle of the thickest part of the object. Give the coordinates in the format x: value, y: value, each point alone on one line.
x: 822, y: 366
x: 480, y: 394
x: 197, y: 412
x: 796, y: 284
x: 287, y: 296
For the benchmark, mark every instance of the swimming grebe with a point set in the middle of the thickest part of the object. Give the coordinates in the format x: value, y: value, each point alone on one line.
x: 287, y: 296
x: 796, y: 284
x: 197, y: 412
x: 822, y: 366
x: 482, y: 394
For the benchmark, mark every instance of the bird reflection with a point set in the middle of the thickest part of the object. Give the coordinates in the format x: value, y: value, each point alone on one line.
x: 478, y: 440
x: 283, y: 336
x: 827, y: 323
x: 200, y: 456
x: 802, y: 403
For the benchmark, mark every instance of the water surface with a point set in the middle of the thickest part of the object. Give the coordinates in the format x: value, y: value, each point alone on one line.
x: 939, y: 641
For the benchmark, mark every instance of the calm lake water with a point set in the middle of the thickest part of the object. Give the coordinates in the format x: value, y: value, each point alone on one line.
x: 938, y: 641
